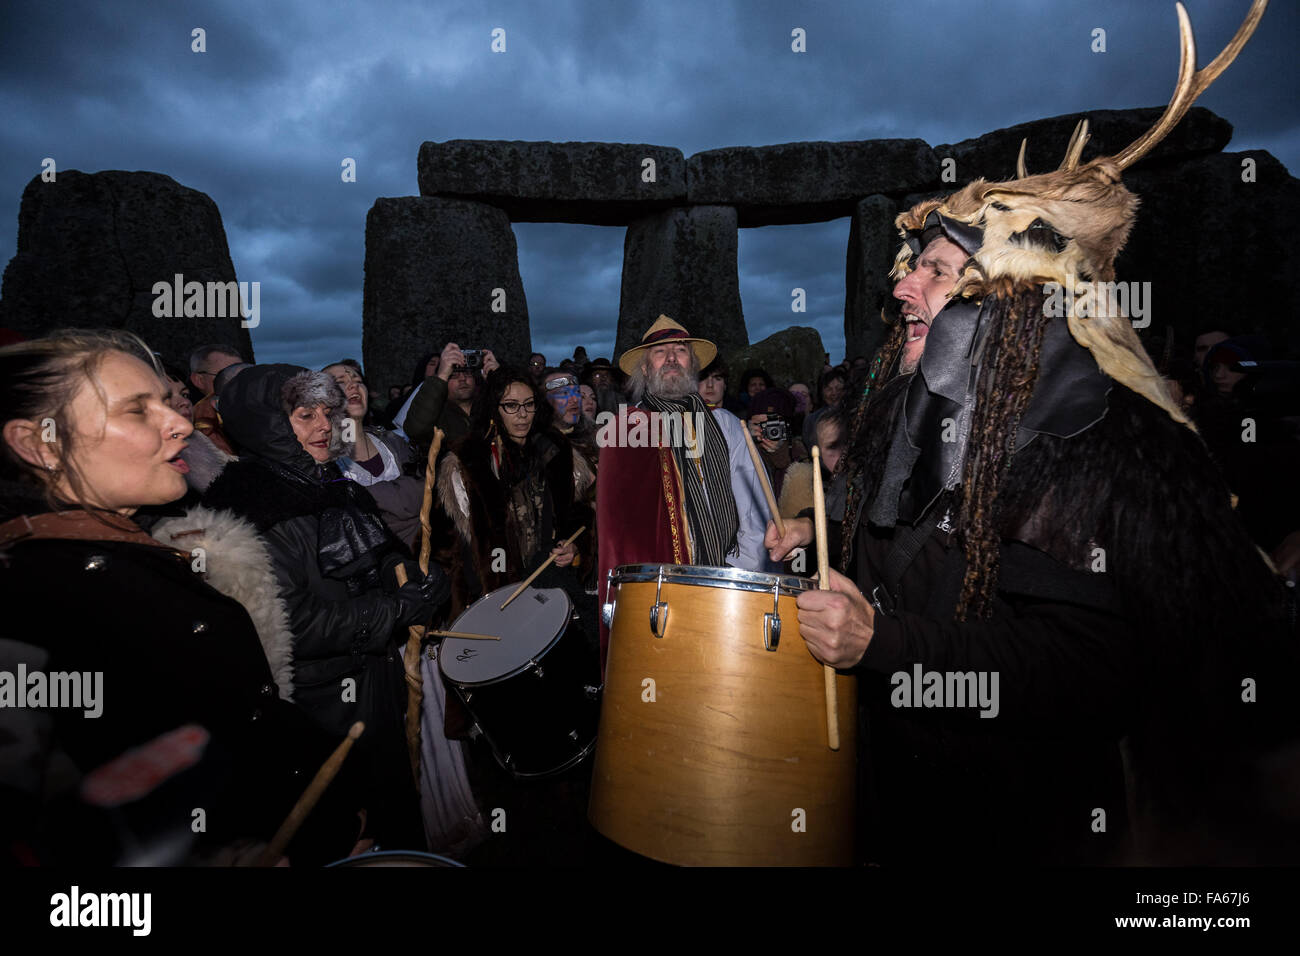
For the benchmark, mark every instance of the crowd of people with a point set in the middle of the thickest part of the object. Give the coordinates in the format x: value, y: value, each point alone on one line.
x: 282, y: 502
x: 305, y: 490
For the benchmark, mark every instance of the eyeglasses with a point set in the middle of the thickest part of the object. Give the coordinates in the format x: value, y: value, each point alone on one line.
x: 514, y: 408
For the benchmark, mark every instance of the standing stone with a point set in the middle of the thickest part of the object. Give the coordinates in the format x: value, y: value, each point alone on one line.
x: 873, y: 243
x: 435, y: 270
x: 1216, y: 247
x: 602, y: 184
x: 792, y: 355
x: 682, y: 263
x: 92, y: 245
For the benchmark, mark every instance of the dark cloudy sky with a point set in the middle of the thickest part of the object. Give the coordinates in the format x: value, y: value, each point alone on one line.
x: 285, y: 91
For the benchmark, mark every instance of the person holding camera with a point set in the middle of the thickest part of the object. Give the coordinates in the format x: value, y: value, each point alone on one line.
x: 769, y: 423
x: 445, y: 397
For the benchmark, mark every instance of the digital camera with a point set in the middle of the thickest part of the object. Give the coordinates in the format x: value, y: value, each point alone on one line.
x: 473, y: 358
x: 775, y: 429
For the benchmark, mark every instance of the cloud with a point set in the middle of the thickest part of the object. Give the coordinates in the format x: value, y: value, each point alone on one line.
x: 286, y: 91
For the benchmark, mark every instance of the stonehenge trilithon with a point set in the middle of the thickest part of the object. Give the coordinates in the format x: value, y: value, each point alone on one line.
x: 92, y: 246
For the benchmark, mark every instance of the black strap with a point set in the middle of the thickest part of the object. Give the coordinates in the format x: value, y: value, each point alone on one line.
x: 906, y: 546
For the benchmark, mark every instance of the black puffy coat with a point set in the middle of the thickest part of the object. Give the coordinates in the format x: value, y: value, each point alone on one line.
x: 328, y: 547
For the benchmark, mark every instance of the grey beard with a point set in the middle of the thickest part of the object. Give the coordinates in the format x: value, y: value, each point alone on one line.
x: 658, y: 385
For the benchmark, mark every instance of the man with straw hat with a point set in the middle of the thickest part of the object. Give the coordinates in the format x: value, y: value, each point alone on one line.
x: 676, y: 483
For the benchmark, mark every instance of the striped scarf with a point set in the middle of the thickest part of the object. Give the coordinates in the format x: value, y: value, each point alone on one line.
x: 706, y: 480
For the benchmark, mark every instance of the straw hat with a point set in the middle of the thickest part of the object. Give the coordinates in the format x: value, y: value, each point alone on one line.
x: 667, y: 330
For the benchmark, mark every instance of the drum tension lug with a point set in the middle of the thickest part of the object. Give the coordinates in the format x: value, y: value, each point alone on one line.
x: 659, y: 610
x: 538, y: 672
x: 771, y: 631
x: 772, y: 622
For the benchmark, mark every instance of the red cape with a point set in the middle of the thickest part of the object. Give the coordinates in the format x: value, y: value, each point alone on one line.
x: 640, y: 511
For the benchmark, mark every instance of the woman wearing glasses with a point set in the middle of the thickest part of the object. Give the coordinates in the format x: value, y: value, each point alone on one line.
x: 513, y: 488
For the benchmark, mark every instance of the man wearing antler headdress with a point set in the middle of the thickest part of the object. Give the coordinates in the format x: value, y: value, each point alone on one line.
x: 1026, y: 501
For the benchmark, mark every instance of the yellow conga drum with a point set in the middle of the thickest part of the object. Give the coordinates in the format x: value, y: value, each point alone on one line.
x: 712, y: 748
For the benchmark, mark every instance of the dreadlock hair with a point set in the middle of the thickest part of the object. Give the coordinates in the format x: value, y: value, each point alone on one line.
x: 1008, y: 371
x: 865, y: 457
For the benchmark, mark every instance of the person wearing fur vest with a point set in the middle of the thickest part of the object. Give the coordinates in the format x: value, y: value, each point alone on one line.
x: 514, y: 488
x: 334, y: 561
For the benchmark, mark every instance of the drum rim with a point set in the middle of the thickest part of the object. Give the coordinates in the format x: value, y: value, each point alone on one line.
x: 348, y: 862
x: 527, y: 664
x: 735, y: 579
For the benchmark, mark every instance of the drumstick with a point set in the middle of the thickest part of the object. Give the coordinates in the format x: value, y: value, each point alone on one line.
x: 415, y: 638
x: 544, y: 565
x: 762, y: 480
x: 824, y: 584
x: 427, y: 542
x: 465, y: 634
x: 309, y: 797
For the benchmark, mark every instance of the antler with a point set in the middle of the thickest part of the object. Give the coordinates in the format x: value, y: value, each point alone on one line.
x: 1078, y: 139
x: 1021, y: 171
x: 1191, y: 82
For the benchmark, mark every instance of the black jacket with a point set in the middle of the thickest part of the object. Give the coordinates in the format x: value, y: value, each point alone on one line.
x: 173, y: 652
x: 1120, y: 662
x: 329, y: 549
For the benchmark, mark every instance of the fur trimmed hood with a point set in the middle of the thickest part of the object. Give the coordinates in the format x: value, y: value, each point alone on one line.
x: 257, y: 403
x: 205, y: 460
x: 235, y: 562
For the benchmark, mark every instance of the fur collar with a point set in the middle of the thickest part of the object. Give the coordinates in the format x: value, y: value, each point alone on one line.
x: 236, y: 562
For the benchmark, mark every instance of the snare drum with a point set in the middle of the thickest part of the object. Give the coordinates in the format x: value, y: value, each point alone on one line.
x: 529, y: 692
x: 713, y: 744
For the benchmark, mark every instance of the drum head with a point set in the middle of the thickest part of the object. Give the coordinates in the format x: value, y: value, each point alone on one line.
x: 527, y: 628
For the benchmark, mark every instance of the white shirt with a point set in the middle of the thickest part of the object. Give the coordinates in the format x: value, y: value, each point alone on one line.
x: 751, y: 504
x: 399, y: 420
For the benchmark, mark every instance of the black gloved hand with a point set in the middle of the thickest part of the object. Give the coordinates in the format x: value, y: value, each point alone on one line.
x: 418, y: 598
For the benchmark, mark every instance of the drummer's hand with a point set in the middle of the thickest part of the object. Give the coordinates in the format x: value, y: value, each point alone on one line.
x: 837, y: 624
x: 564, y: 554
x: 798, y: 534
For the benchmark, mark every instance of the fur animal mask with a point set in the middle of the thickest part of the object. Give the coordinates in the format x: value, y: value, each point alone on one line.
x: 1067, y: 227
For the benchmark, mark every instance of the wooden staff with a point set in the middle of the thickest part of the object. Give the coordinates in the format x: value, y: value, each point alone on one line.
x: 762, y: 480
x: 465, y: 634
x: 542, y: 567
x: 328, y: 770
x: 415, y: 639
x: 824, y: 584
